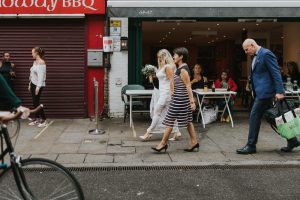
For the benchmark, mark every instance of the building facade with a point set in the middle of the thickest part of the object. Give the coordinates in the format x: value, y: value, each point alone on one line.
x: 212, y: 30
x: 67, y: 30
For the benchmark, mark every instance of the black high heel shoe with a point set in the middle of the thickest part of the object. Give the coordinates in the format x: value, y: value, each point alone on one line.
x: 165, y: 147
x: 196, y: 146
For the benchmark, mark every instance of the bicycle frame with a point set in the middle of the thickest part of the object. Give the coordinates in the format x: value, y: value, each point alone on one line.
x: 9, y: 147
x: 14, y: 160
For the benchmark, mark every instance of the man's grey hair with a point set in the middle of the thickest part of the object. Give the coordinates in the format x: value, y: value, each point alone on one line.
x: 249, y: 41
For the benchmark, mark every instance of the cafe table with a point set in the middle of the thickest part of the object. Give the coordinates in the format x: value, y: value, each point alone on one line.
x: 219, y: 93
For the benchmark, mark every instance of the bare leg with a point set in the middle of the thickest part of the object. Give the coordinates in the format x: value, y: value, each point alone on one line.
x: 165, y: 138
x: 155, y: 120
x: 192, y: 134
x: 176, y: 135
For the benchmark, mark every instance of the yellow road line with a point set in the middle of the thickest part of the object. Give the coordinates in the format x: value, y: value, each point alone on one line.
x: 42, y: 131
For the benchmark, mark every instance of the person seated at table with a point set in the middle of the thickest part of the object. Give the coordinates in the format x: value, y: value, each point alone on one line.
x: 197, y: 80
x: 293, y: 72
x: 225, y: 82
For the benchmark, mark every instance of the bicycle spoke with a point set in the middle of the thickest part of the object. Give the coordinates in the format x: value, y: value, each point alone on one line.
x: 10, y: 193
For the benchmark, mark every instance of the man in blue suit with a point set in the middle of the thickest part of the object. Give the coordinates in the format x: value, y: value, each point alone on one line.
x: 266, y: 83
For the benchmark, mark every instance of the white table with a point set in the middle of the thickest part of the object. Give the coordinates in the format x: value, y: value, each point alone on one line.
x: 292, y: 94
x: 218, y: 94
x: 137, y: 94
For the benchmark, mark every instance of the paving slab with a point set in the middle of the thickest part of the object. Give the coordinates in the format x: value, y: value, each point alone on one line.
x: 127, y: 158
x: 269, y: 155
x: 71, y: 158
x: 65, y: 148
x: 185, y: 157
x: 232, y: 156
x: 96, y: 158
x: 33, y: 147
x: 155, y: 157
x: 47, y: 156
x: 92, y: 148
x: 212, y: 157
x: 119, y: 149
x: 115, y: 141
x: 70, y: 137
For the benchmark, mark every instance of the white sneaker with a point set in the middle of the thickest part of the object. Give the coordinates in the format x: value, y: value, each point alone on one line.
x: 43, y: 124
x: 33, y: 123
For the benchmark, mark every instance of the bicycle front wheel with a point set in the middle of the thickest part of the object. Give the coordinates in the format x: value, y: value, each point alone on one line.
x: 41, y: 179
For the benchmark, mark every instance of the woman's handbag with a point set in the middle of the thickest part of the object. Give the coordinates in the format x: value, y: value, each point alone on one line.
x: 287, y: 122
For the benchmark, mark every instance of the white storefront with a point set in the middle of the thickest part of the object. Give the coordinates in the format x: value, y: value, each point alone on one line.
x: 178, y: 9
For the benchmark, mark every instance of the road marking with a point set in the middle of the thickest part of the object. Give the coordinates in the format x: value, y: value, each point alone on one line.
x: 42, y: 131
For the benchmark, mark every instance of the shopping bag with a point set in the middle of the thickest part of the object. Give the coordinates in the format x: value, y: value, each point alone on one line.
x: 271, y: 114
x: 210, y: 114
x: 288, y: 123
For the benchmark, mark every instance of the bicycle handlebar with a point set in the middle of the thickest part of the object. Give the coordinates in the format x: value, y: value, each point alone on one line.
x: 18, y: 114
x: 36, y: 109
x: 8, y: 118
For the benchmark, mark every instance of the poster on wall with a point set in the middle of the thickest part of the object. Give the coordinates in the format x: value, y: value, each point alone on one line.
x: 108, y: 45
x: 117, y: 43
x: 115, y: 27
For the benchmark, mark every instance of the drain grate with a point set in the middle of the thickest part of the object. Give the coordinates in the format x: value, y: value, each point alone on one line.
x: 182, y: 167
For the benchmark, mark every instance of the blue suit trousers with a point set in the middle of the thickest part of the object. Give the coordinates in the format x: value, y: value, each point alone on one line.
x: 257, y: 112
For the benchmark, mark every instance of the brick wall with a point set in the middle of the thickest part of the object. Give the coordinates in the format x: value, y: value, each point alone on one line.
x: 118, y: 75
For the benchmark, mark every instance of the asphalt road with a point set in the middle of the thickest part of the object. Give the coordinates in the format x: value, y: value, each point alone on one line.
x: 241, y: 183
x: 184, y: 183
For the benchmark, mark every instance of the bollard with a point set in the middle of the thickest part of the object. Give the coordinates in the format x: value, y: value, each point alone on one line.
x: 96, y: 131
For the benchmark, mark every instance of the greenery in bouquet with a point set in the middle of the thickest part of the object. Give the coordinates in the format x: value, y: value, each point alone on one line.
x: 149, y: 70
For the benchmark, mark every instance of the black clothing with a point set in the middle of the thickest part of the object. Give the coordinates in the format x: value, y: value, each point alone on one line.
x: 5, y: 70
x: 8, y: 100
x: 36, y: 101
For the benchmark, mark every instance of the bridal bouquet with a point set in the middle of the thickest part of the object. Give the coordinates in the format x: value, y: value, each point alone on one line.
x: 149, y: 71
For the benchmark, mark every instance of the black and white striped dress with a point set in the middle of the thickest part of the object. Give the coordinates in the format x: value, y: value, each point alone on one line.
x: 180, y: 107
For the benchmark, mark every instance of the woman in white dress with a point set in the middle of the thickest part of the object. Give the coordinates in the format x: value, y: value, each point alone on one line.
x: 161, y: 97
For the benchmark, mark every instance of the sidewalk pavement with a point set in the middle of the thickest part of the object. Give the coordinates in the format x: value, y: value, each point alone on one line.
x: 68, y: 142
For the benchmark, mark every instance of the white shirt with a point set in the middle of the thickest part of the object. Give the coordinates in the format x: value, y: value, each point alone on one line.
x: 38, y: 74
x: 254, y: 58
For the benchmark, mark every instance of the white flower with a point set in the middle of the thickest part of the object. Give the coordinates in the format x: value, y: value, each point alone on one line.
x: 149, y: 70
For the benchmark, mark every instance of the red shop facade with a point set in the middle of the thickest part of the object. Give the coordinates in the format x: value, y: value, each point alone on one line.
x: 67, y: 30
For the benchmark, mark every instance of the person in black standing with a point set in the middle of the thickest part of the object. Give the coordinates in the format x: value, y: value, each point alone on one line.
x: 7, y: 68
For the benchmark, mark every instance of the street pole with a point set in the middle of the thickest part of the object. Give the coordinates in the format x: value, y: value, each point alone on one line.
x: 96, y: 131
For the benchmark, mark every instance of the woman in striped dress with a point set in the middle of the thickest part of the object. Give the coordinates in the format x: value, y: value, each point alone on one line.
x: 182, y: 103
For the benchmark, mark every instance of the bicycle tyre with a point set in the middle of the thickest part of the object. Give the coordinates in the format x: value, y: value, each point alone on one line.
x: 40, y: 179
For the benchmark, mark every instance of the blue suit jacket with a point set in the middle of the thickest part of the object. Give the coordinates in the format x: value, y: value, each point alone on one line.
x: 265, y: 77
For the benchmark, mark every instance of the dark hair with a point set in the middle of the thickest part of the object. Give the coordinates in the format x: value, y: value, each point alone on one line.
x: 227, y: 73
x: 182, y: 51
x: 3, y: 56
x: 40, y: 51
x: 202, y: 71
x: 294, y: 67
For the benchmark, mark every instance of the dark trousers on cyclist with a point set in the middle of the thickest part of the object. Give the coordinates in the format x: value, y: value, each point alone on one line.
x: 36, y: 101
